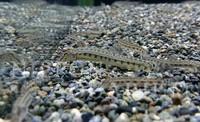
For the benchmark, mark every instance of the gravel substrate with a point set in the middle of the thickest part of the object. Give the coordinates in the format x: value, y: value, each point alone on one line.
x: 70, y: 91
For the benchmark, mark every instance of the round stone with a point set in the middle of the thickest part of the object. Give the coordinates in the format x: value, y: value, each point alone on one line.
x: 138, y: 95
x: 86, y: 116
x: 66, y: 117
x: 59, y: 102
x: 105, y: 119
x: 26, y: 74
x: 122, y: 118
x: 46, y: 88
x: 96, y: 118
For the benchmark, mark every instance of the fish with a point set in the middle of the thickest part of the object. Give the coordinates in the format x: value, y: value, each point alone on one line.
x: 162, y: 64
x: 130, y: 82
x: 165, y: 64
x: 191, y: 66
x: 20, y: 106
x: 108, y: 57
x: 124, y: 43
x: 10, y: 57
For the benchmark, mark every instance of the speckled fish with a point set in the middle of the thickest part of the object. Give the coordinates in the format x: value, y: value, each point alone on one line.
x: 123, y: 43
x: 7, y: 56
x: 131, y: 81
x: 108, y: 57
x: 163, y: 64
x: 192, y: 66
x: 20, y: 107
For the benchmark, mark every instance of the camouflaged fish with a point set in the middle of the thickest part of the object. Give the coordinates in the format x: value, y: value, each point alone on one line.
x: 163, y: 64
x: 8, y: 56
x: 20, y: 107
x: 131, y: 81
x: 107, y: 57
x: 124, y: 43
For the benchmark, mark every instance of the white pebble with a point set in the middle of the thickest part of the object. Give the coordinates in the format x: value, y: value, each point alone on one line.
x: 197, y: 114
x: 59, y: 102
x: 91, y: 91
x: 26, y: 74
x: 122, y: 118
x: 41, y: 74
x: 76, y: 115
x: 155, y: 117
x: 55, y: 64
x: 3, y: 120
x: 134, y: 109
x: 105, y: 119
x: 75, y: 111
x: 130, y: 74
x: 138, y: 95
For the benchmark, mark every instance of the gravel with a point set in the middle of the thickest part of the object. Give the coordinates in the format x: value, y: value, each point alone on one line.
x: 70, y: 91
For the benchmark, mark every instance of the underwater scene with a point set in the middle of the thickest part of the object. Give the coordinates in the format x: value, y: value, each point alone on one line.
x: 99, y: 61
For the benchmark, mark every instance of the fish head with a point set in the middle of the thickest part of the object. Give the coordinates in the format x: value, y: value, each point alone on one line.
x: 69, y: 55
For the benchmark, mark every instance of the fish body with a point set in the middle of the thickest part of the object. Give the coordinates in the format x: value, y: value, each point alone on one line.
x: 131, y: 81
x: 108, y: 58
x: 20, y: 107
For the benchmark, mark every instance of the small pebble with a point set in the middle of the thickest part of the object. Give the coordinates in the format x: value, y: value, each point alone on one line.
x: 26, y: 74
x: 59, y: 102
x: 96, y: 118
x: 138, y: 95
x: 122, y: 118
x: 86, y: 116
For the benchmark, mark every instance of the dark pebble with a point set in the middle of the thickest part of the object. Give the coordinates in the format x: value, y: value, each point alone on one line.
x: 18, y: 73
x: 158, y: 102
x: 123, y: 109
x: 98, y: 99
x: 76, y: 104
x: 184, y: 111
x: 176, y: 72
x: 67, y: 77
x: 7, y: 71
x: 86, y: 116
x: 56, y: 79
x: 196, y: 100
x: 141, y: 109
x: 193, y: 110
x: 73, y: 105
x: 194, y: 80
x: 134, y: 104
